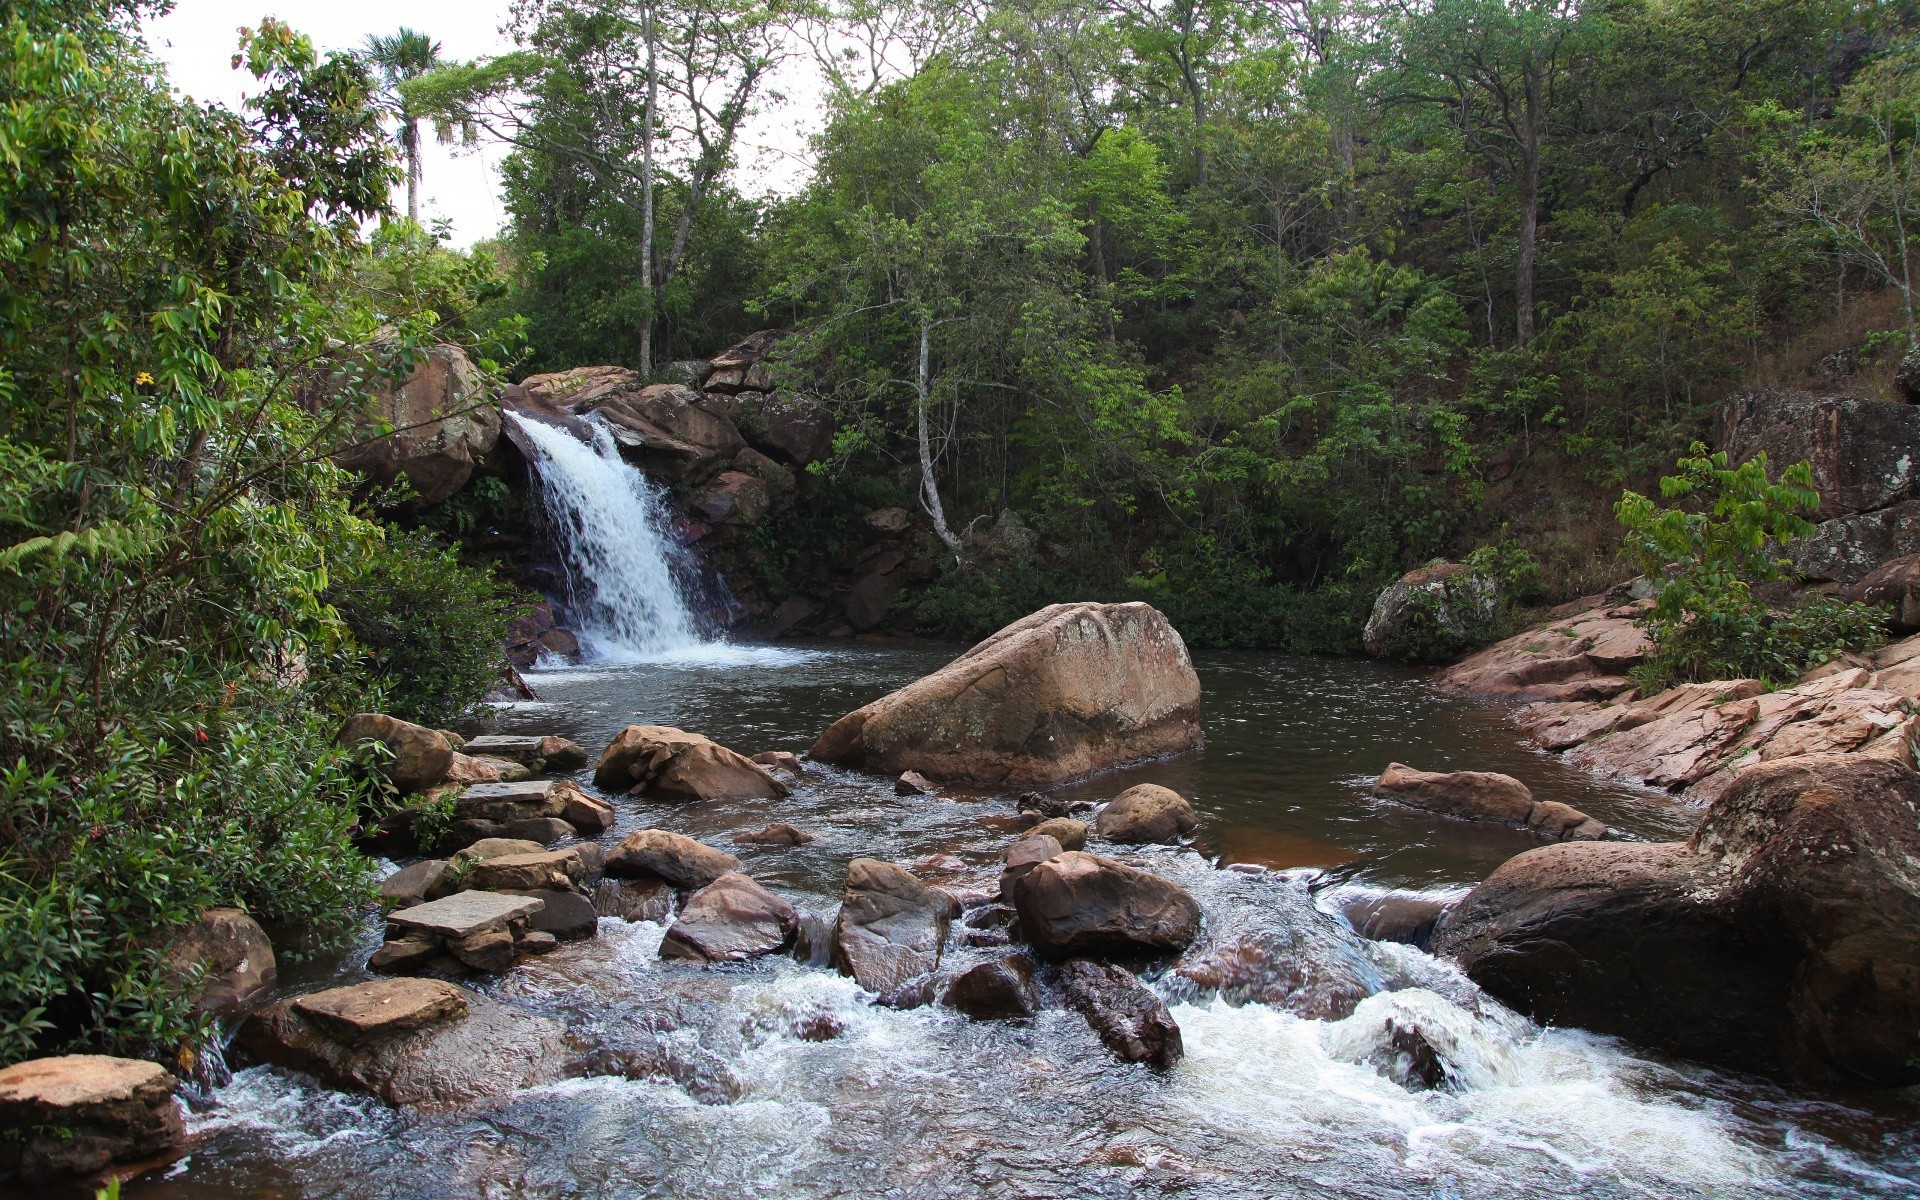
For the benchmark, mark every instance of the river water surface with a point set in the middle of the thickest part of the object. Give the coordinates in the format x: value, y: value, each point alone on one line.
x: 777, y: 1078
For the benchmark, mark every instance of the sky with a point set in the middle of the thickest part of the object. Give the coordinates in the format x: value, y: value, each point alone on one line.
x: 197, y: 39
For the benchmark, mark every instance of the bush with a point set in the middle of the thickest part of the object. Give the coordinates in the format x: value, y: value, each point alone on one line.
x: 428, y: 626
x: 1705, y: 622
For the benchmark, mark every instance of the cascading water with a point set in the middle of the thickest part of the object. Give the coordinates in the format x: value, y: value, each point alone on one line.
x: 616, y: 550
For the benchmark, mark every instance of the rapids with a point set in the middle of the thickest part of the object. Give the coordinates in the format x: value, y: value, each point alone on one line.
x: 779, y: 1078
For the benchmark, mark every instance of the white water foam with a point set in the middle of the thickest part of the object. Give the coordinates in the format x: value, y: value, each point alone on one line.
x: 617, y: 551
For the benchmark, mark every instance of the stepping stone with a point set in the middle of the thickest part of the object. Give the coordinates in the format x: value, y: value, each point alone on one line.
x: 548, y: 870
x: 541, y: 753
x: 510, y: 801
x: 382, y: 1006
x: 464, y: 914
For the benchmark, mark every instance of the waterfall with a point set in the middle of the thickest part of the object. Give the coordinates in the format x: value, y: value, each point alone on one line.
x: 611, y: 526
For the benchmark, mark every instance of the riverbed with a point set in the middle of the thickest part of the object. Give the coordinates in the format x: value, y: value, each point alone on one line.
x: 777, y: 1078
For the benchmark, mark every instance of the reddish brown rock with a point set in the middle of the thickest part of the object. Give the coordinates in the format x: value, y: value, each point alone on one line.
x: 1465, y: 795
x: 443, y: 420
x: 1582, y: 657
x: 1072, y: 689
x: 227, y: 955
x: 673, y: 857
x: 1030, y: 850
x: 78, y: 1114
x: 891, y: 927
x: 735, y: 497
x: 1077, y: 903
x: 1895, y: 585
x: 659, y: 760
x: 913, y: 783
x: 1132, y: 1021
x: 731, y: 919
x: 1145, y: 813
x: 415, y: 758
x: 1071, y: 834
x: 1000, y: 990
x: 777, y: 834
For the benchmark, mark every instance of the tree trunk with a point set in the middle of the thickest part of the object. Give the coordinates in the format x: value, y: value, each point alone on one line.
x: 413, y: 171
x: 646, y: 203
x: 1529, y: 216
x: 923, y: 396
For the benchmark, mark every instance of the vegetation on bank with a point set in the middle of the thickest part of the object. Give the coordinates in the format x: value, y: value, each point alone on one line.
x: 191, y: 595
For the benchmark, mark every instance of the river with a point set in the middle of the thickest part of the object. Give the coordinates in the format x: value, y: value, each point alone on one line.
x: 776, y: 1078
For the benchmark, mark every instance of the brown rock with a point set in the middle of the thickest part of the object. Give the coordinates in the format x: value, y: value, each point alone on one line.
x: 777, y: 834
x: 1132, y: 1021
x: 1862, y: 450
x: 891, y: 928
x: 1146, y: 813
x: 1582, y: 657
x: 661, y: 761
x: 1432, y: 612
x: 1896, y: 585
x: 404, y: 956
x: 735, y: 497
x: 442, y: 418
x: 889, y: 520
x: 486, y: 848
x: 78, y: 1114
x: 227, y: 956
x: 678, y: 859
x: 466, y: 769
x: 1071, y: 689
x: 1000, y: 990
x: 463, y: 915
x: 1027, y: 852
x: 493, y: 951
x: 634, y: 899
x: 869, y: 600
x: 417, y: 757
x: 1466, y: 795
x: 545, y: 870
x: 1078, y: 903
x: 1071, y: 834
x: 668, y: 429
x: 590, y: 815
x: 527, y: 798
x: 731, y: 919
x: 791, y: 429
x: 781, y: 760
x: 913, y: 783
x: 566, y: 916
x: 412, y: 885
x: 1395, y: 917
x: 382, y: 1006
x: 1847, y: 549
x: 539, y: 753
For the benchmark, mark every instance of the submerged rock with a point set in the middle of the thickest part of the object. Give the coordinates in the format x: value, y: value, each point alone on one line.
x: 1485, y: 796
x: 1077, y: 903
x: 1145, y: 813
x: 1783, y: 938
x: 891, y: 927
x: 674, y: 857
x: 731, y: 919
x: 78, y: 1114
x: 658, y: 760
x: 647, y: 899
x: 1071, y: 689
x: 777, y: 834
x: 1132, y: 1021
x: 1000, y: 990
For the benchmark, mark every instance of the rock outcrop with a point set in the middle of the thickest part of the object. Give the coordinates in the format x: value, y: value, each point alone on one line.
x: 891, y: 929
x: 1132, y: 1021
x: 1485, y: 796
x: 731, y: 919
x: 1582, y: 656
x: 1431, y: 613
x: 658, y: 760
x: 1784, y: 937
x: 1069, y: 690
x: 1075, y: 903
x: 1895, y: 585
x: 1144, y: 813
x: 442, y: 419
x: 78, y: 1114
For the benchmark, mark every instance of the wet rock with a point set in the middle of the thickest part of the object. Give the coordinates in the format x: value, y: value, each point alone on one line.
x: 1433, y: 612
x: 492, y: 1051
x: 662, y: 761
x: 777, y: 834
x: 409, y: 955
x: 1308, y: 976
x: 1068, y: 690
x: 1862, y: 450
x: 1043, y: 806
x: 489, y: 848
x: 546, y: 870
x: 536, y: 753
x: 674, y: 857
x: 382, y: 1006
x: 780, y: 760
x: 634, y: 899
x: 1395, y: 917
x: 590, y: 816
x: 1146, y: 813
x: 1001, y: 990
x: 537, y: 941
x: 227, y: 957
x: 891, y: 928
x: 1071, y: 834
x: 1485, y: 796
x: 1132, y: 1021
x: 1028, y: 852
x: 463, y: 915
x: 1079, y: 904
x: 1783, y: 938
x: 731, y: 919
x: 534, y: 634
x: 494, y: 950
x: 945, y: 864
x: 669, y: 430
x: 416, y: 758
x: 915, y: 993
x: 913, y: 783
x: 1585, y: 656
x: 566, y: 916
x: 1896, y: 586
x: 78, y: 1114
x: 443, y: 421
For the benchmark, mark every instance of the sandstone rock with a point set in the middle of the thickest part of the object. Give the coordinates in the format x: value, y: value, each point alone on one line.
x: 1783, y: 938
x: 1078, y: 903
x: 590, y: 815
x: 1467, y: 795
x: 891, y: 928
x: 1146, y: 813
x: 545, y: 870
x: 781, y: 760
x: 495, y: 950
x: 1071, y: 834
x: 510, y: 801
x: 488, y: 848
x: 411, y: 885
x: 889, y: 520
x: 913, y: 783
x: 382, y: 1006
x: 417, y: 757
x: 731, y: 919
x: 1563, y: 821
x: 735, y: 497
x: 1896, y: 585
x: 1000, y: 990
x: 1024, y: 855
x: 1847, y: 549
x: 466, y: 769
x: 78, y: 1114
x: 634, y: 899
x: 790, y: 429
x: 443, y: 423
x: 1582, y: 657
x: 777, y: 834
x: 662, y: 761
x: 1431, y: 613
x: 1132, y: 1021
x: 674, y: 857
x: 1069, y: 690
x: 227, y: 955
x: 567, y: 916
x: 549, y: 753
x: 495, y: 1050
x: 869, y: 600
x: 668, y: 429
x: 537, y: 941
x: 1863, y: 451
x: 464, y: 914
x: 1395, y: 917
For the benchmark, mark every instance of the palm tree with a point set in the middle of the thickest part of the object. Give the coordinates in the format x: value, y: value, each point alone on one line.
x: 399, y: 57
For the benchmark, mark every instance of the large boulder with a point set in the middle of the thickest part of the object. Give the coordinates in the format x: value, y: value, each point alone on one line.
x: 1071, y: 689
x: 673, y: 857
x: 892, y: 928
x: 731, y: 919
x: 1783, y: 938
x: 1894, y: 585
x: 1847, y: 549
x: 1484, y: 796
x: 417, y: 758
x: 442, y: 419
x: 658, y: 760
x: 1862, y: 450
x: 78, y: 1114
x: 1131, y: 1020
x: 789, y: 429
x: 1144, y: 813
x: 1433, y: 613
x: 409, y: 1041
x: 226, y: 956
x: 1583, y: 656
x: 1077, y: 903
x: 1000, y: 989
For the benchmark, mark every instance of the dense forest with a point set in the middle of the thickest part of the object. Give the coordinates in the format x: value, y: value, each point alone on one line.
x: 1241, y: 307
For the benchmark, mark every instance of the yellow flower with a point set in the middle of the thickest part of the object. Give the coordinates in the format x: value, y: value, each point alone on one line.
x: 143, y: 378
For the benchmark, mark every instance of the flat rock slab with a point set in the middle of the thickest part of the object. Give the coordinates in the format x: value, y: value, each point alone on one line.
x: 382, y: 1006
x: 464, y: 914
x: 80, y: 1080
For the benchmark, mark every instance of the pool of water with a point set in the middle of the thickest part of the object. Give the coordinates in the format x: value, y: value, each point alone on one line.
x: 775, y: 1078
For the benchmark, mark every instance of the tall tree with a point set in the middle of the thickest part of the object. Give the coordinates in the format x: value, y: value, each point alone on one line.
x: 398, y: 57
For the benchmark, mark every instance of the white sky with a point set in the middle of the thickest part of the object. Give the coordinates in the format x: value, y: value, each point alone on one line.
x: 197, y: 40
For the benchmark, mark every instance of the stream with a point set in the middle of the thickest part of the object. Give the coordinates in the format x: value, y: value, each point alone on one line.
x: 775, y: 1078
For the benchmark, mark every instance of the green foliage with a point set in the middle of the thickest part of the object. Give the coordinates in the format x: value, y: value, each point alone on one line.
x: 1704, y: 561
x: 425, y: 623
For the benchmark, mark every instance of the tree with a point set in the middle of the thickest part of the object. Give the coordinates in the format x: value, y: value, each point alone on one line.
x: 400, y: 56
